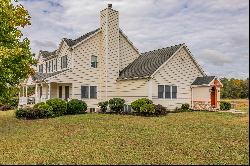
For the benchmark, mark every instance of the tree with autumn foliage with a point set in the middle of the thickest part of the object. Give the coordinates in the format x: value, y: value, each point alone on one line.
x: 15, y: 54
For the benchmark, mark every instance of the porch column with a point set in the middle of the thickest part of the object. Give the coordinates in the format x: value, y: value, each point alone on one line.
x: 23, y: 91
x: 36, y: 92
x: 26, y: 90
x: 49, y: 90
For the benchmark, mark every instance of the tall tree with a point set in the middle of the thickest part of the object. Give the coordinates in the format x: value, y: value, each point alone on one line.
x: 15, y: 54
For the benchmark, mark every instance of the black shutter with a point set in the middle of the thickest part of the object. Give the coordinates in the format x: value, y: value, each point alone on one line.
x: 61, y: 62
x: 66, y: 63
x: 60, y: 91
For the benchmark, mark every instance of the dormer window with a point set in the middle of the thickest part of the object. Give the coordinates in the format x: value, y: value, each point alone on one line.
x: 94, y: 61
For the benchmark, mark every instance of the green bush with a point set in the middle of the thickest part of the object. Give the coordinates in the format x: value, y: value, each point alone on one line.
x: 76, y: 106
x: 116, y: 104
x: 38, y: 104
x: 160, y: 110
x: 103, y: 106
x: 137, y: 104
x: 185, y: 106
x: 143, y: 106
x: 59, y: 106
x: 21, y: 113
x: 225, y: 105
x: 47, y: 110
x: 30, y: 113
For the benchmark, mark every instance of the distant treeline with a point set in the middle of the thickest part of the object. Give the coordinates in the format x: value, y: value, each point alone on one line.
x: 235, y: 88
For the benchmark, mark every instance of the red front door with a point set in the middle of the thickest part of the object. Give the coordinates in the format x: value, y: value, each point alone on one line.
x: 213, y: 95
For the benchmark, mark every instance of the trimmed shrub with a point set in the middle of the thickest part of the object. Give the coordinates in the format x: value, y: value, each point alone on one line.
x: 59, y: 106
x: 103, y: 106
x: 76, y: 106
x: 5, y: 108
x: 47, y: 110
x: 116, y: 104
x: 137, y: 104
x: 185, y: 106
x: 143, y: 106
x: 160, y: 110
x: 225, y: 105
x: 21, y: 113
x: 38, y: 104
x: 30, y: 113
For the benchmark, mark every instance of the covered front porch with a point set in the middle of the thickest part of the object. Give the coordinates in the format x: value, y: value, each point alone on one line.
x: 30, y: 94
x: 206, y: 93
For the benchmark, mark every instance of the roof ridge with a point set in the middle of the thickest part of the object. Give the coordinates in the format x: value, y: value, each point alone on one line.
x: 163, y: 48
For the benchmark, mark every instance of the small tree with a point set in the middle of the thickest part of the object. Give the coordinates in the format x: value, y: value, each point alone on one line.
x: 15, y: 55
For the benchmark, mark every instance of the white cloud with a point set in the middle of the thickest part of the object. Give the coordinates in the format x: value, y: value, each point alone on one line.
x: 209, y: 28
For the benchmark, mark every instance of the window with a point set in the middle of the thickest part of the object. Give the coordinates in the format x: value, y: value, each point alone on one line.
x: 55, y: 65
x: 46, y: 67
x: 174, y: 92
x: 49, y: 66
x: 64, y: 62
x: 167, y: 92
x: 93, y: 92
x: 94, y: 61
x: 60, y: 92
x: 89, y: 92
x: 84, y: 91
x: 160, y: 91
x: 52, y: 66
x: 40, y: 68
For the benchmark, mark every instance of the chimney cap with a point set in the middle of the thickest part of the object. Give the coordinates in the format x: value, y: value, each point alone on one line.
x: 109, y: 5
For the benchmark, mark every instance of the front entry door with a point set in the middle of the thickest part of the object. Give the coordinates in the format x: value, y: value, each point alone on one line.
x: 213, y: 97
x: 66, y: 92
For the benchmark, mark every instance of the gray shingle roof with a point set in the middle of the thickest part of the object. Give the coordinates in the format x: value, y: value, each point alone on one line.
x: 203, y: 80
x: 71, y: 42
x: 42, y: 76
x: 147, y: 63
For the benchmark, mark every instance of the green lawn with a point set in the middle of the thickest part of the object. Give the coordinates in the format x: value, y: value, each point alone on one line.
x: 178, y: 138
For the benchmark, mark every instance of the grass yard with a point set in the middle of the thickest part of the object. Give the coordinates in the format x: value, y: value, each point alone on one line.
x: 178, y: 138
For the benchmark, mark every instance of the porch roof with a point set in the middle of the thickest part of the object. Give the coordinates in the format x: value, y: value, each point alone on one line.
x: 42, y: 76
x: 203, y: 80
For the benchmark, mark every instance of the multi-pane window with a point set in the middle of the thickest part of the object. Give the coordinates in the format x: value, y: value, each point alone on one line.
x: 64, y: 62
x: 167, y: 92
x: 89, y: 92
x: 160, y: 91
x: 94, y: 61
x: 40, y: 68
x: 46, y: 67
x: 49, y: 68
x: 52, y: 67
x: 174, y: 92
x: 55, y: 65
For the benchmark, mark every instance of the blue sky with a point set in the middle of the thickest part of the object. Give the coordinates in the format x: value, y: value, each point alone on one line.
x: 216, y: 32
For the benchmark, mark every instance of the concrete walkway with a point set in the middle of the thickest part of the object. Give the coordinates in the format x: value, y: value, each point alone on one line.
x: 234, y: 111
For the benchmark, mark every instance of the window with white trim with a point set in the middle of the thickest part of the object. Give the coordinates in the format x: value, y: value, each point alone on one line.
x: 88, y: 92
x: 40, y: 68
x: 94, y: 61
x: 167, y: 91
x: 64, y: 62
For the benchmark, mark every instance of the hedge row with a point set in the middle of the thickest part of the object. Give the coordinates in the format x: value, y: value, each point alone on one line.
x: 52, y: 108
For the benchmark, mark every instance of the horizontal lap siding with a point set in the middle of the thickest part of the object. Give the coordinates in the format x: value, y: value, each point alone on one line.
x: 127, y: 53
x: 131, y: 90
x: 180, y: 71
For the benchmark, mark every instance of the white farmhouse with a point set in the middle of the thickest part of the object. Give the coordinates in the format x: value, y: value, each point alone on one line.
x: 104, y: 64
